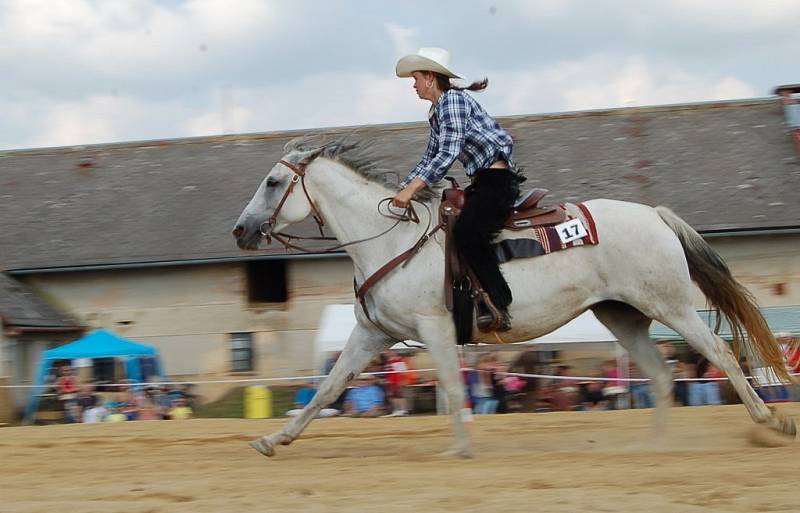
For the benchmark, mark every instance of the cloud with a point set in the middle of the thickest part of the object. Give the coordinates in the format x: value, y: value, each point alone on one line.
x: 604, y: 82
x: 404, y: 39
x: 83, y: 71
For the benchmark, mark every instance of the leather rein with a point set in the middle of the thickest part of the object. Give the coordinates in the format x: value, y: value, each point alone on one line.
x: 402, y: 258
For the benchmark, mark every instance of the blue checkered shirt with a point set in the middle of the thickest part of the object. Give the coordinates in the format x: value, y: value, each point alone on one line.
x: 460, y: 129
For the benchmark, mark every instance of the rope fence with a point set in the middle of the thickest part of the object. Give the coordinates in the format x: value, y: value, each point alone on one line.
x: 381, y: 373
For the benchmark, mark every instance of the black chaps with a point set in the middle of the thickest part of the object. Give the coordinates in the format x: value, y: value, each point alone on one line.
x: 489, y: 201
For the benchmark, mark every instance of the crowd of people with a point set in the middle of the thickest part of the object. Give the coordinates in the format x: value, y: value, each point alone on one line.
x: 493, y: 386
x: 91, y: 403
x: 381, y: 390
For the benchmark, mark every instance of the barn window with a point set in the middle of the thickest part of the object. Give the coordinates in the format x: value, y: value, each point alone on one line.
x: 266, y: 281
x: 242, y: 352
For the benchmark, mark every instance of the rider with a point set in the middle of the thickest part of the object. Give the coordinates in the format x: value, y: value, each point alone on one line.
x: 461, y: 129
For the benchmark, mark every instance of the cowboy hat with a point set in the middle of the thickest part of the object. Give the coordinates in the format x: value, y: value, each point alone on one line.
x: 426, y: 59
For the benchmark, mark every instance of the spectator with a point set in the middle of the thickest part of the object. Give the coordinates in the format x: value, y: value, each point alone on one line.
x: 95, y: 413
x: 565, y: 395
x: 680, y: 389
x: 614, y: 389
x: 703, y: 392
x: 640, y: 390
x: 125, y: 402
x: 160, y: 399
x: 146, y: 409
x: 514, y: 387
x: 365, y: 399
x: 594, y: 399
x: 470, y: 377
x: 792, y: 351
x: 67, y: 391
x: 397, y: 378
x: 497, y: 376
x: 115, y: 415
x: 85, y: 399
x: 483, y: 389
x: 180, y: 410
x: 303, y: 396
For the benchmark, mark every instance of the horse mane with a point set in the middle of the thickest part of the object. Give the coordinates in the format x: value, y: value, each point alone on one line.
x: 362, y: 156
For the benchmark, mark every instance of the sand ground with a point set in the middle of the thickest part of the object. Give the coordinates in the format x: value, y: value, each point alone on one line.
x: 559, y: 462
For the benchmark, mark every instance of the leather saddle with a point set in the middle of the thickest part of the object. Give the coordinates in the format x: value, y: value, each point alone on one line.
x: 464, y: 295
x: 526, y: 213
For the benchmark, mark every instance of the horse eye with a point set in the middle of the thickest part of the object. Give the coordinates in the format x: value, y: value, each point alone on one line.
x: 271, y: 182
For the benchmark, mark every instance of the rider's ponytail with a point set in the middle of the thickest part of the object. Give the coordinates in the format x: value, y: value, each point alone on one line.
x: 445, y: 84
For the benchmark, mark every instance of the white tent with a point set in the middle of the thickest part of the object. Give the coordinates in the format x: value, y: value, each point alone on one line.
x: 339, y: 320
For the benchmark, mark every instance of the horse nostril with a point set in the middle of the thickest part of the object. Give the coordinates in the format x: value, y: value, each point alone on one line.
x: 238, y: 231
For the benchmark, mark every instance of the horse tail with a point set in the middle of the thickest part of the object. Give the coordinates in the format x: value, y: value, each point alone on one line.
x: 750, y: 331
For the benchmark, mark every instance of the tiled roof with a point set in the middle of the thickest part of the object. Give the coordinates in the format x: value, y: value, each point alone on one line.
x: 722, y: 166
x: 22, y: 308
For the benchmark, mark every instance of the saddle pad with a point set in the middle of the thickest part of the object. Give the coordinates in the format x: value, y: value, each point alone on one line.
x: 543, y: 240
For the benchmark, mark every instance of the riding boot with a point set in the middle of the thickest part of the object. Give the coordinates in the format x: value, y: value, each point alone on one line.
x: 489, y: 202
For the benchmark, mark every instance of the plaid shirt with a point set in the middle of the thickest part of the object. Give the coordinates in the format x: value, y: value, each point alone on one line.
x: 460, y: 129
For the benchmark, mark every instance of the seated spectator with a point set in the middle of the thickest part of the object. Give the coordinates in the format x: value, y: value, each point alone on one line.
x: 126, y: 402
x: 365, y: 399
x: 86, y: 398
x: 180, y: 410
x: 115, y: 414
x: 515, y: 392
x: 565, y: 394
x: 95, y: 413
x: 146, y: 409
x: 593, y: 398
x: 160, y: 398
x: 303, y: 396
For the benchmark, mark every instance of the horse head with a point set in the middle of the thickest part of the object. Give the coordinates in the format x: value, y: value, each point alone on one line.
x: 280, y: 200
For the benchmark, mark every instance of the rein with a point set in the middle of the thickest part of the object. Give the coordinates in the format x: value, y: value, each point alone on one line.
x: 361, y: 292
x: 285, y: 238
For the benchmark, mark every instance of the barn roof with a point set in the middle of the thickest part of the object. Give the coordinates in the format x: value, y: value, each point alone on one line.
x: 723, y: 166
x: 22, y: 309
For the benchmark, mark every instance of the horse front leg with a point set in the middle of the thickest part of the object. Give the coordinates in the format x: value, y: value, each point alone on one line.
x: 439, y: 336
x: 362, y: 346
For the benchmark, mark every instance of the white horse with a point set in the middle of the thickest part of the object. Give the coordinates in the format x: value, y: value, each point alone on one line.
x: 642, y: 269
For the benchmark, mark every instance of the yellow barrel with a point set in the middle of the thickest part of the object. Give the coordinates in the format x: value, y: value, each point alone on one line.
x: 257, y: 402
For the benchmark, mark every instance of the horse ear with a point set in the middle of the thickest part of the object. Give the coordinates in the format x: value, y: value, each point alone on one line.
x: 305, y: 157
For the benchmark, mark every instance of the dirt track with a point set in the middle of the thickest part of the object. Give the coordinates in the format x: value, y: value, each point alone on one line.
x: 572, y: 462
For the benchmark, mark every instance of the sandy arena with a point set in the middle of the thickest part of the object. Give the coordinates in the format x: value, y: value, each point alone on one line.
x: 561, y: 462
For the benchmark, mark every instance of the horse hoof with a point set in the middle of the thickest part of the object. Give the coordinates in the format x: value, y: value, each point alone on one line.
x: 263, y: 446
x: 456, y: 452
x: 761, y: 435
x: 781, y: 423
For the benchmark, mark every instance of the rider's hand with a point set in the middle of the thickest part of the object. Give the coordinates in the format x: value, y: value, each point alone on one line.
x: 403, y: 198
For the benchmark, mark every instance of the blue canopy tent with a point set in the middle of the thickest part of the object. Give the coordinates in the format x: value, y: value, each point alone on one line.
x: 141, y: 361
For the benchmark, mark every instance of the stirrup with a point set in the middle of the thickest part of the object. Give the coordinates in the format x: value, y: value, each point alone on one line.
x: 490, y: 318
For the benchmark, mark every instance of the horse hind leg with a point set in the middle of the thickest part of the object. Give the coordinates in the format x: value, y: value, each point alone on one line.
x: 631, y: 327
x: 699, y: 336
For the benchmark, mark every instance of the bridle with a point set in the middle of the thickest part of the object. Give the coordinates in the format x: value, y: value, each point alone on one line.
x: 409, y: 215
x: 299, y: 176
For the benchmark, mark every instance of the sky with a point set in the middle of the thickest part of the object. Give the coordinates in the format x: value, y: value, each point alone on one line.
x: 76, y: 72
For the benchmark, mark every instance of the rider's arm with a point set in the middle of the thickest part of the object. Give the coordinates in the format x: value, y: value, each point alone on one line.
x: 453, y: 115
